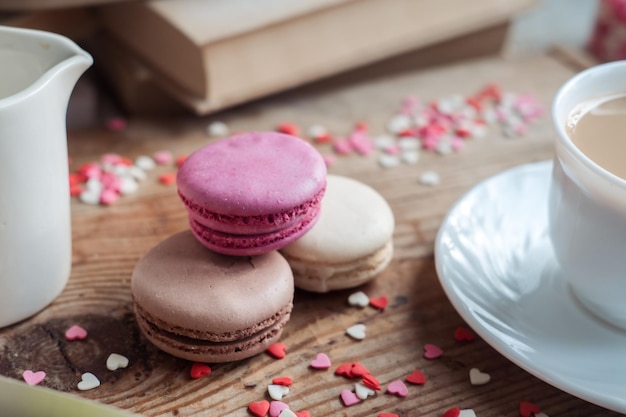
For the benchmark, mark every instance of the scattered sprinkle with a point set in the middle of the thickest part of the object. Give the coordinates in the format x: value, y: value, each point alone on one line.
x: 180, y: 159
x: 363, y: 391
x: 277, y: 392
x: 432, y: 351
x: 116, y: 361
x: 387, y: 415
x: 358, y: 299
x: 527, y: 409
x: 282, y: 380
x: 478, y: 378
x: 199, y: 370
x: 168, y: 178
x: 416, y: 377
x: 163, y: 157
x: 453, y: 412
x: 371, y: 381
x: 398, y: 388
x: 276, y: 407
x: 461, y: 334
x: 468, y: 412
x: 321, y: 361
x: 430, y: 178
x: 349, y: 398
x: 287, y: 413
x: 259, y: 408
x: 88, y: 381
x: 277, y: 350
x: 288, y: 128
x: 217, y: 129
x: 75, y: 333
x: 116, y: 124
x: 356, y: 332
x: 145, y: 162
x: 379, y: 303
x: 33, y: 378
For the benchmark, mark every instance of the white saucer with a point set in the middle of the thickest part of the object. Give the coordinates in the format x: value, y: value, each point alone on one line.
x: 495, y: 263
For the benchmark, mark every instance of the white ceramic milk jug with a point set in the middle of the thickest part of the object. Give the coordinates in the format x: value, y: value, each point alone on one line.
x: 38, y: 71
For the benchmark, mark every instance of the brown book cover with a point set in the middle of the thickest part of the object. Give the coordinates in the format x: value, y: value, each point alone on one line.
x: 212, y: 54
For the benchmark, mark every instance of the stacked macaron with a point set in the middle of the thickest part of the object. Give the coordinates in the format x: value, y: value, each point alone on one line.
x: 221, y: 291
x: 264, y: 217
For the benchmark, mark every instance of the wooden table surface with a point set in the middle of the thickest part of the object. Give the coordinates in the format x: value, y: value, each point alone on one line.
x: 109, y: 240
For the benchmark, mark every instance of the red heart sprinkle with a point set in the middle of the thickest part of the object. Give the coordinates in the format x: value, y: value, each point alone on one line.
x: 303, y: 413
x: 370, y: 381
x: 345, y: 369
x: 288, y: 128
x: 259, y: 408
x: 416, y: 378
x: 277, y: 350
x: 282, y: 380
x: 527, y: 409
x: 387, y: 415
x: 358, y: 370
x: 198, y: 370
x: 379, y: 303
x: 461, y: 334
x: 453, y: 412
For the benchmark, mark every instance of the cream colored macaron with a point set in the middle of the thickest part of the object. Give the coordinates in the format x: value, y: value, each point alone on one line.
x: 351, y: 243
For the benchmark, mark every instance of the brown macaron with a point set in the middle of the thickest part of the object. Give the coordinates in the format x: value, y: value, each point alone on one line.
x: 202, y: 306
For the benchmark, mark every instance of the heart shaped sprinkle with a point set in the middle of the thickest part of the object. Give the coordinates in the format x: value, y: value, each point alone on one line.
x: 370, y: 381
x: 277, y: 350
x: 432, y: 351
x: 349, y: 398
x: 359, y: 299
x: 88, y: 381
x: 398, y: 388
x: 259, y: 408
x: 276, y: 407
x: 416, y: 378
x: 358, y: 370
x: 303, y: 413
x: 277, y: 392
x: 478, y: 378
x: 322, y: 361
x: 116, y: 361
x: 287, y: 413
x: 33, y: 378
x: 345, y: 369
x: 199, y: 370
x: 379, y: 303
x: 357, y: 331
x: 362, y: 391
x: 282, y: 380
x: 453, y: 412
x: 461, y: 334
x: 387, y: 415
x: 468, y: 412
x: 75, y: 333
x: 541, y: 414
x: 527, y: 409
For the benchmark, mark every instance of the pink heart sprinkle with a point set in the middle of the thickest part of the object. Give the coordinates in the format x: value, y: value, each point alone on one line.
x: 432, y: 351
x: 276, y: 407
x: 349, y: 398
x: 75, y: 333
x: 322, y: 361
x: 33, y: 378
x: 397, y: 388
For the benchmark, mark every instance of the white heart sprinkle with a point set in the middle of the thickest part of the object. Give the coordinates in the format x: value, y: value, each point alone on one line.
x: 359, y: 299
x: 478, y: 378
x: 429, y: 178
x: 468, y: 412
x: 217, y: 128
x: 88, y: 381
x: 398, y: 123
x: 410, y: 157
x: 277, y: 392
x: 145, y: 162
x: 90, y: 197
x: 362, y: 391
x: 116, y: 361
x: 388, y: 161
x: 357, y: 331
x: 287, y: 413
x: 128, y: 185
x: 316, y: 131
x: 384, y: 141
x: 409, y: 143
x: 541, y: 414
x: 137, y: 173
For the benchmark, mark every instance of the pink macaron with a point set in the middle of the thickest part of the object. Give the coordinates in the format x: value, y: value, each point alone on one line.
x: 252, y: 193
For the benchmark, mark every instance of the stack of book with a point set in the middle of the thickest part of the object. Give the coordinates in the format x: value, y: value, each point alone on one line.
x: 207, y: 55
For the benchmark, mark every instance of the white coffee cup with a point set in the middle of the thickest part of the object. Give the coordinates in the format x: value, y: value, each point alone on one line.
x: 38, y: 71
x: 587, y: 205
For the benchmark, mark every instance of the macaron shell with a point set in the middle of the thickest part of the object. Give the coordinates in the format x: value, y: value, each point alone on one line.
x: 202, y: 294
x: 252, y: 174
x: 355, y: 222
